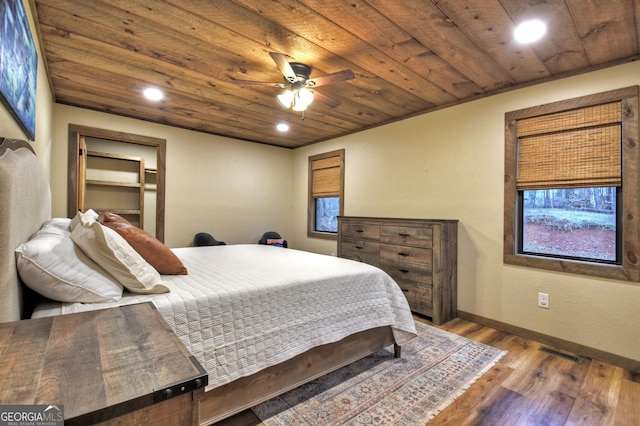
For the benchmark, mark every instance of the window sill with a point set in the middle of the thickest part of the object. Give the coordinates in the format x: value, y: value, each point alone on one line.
x: 616, y: 272
x: 323, y: 235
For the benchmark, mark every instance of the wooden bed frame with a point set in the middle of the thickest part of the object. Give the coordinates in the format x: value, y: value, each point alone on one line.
x: 26, y: 204
x: 219, y: 403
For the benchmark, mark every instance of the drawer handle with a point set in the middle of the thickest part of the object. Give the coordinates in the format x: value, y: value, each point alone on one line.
x: 360, y: 231
x: 358, y: 247
x: 404, y: 235
x: 403, y: 254
x: 404, y: 271
x: 404, y: 289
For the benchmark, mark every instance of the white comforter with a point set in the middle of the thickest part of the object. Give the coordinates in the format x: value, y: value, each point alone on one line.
x: 243, y: 308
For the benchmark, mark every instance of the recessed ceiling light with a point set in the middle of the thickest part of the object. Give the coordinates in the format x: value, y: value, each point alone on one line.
x: 530, y: 31
x: 282, y: 127
x: 153, y: 94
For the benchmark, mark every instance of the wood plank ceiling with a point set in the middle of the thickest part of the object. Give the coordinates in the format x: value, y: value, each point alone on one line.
x: 409, y: 57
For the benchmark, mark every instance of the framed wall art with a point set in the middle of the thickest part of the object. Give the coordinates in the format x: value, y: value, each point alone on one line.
x: 18, y: 65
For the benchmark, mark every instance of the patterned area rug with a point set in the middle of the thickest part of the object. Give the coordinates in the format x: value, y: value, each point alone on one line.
x: 435, y: 369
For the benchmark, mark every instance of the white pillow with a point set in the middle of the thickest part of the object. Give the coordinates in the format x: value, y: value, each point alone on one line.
x: 76, y: 219
x: 50, y: 264
x: 63, y: 223
x: 109, y: 250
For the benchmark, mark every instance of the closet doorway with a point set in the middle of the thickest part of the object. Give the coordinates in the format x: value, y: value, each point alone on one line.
x: 118, y: 172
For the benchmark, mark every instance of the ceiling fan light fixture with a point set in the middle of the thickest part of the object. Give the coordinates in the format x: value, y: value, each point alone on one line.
x: 296, y: 99
x: 285, y: 98
x: 305, y: 96
x: 302, y: 99
x: 298, y: 106
x: 297, y: 95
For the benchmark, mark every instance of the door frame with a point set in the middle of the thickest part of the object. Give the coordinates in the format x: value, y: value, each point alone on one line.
x: 77, y: 131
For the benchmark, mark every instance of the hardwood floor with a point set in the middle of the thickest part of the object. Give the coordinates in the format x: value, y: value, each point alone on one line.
x: 532, y: 387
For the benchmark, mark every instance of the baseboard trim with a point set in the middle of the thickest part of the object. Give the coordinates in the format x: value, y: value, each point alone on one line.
x: 586, y: 351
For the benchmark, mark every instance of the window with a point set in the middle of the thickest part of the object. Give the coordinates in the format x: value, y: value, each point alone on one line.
x: 326, y: 194
x: 571, y: 186
x: 579, y: 223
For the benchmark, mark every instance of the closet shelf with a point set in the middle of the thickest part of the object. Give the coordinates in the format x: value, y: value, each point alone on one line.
x: 118, y: 184
x: 113, y: 183
x: 123, y: 212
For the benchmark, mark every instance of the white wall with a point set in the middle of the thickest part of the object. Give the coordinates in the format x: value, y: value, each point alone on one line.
x: 449, y: 164
x: 232, y: 189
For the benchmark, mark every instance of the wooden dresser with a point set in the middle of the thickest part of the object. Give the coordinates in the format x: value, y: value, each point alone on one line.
x: 419, y: 254
x: 118, y: 366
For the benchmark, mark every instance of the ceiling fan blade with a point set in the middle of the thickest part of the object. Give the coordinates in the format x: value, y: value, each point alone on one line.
x: 331, y: 78
x: 330, y: 102
x: 284, y: 66
x: 258, y: 83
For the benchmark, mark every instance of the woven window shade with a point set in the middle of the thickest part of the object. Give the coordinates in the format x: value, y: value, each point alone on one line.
x: 578, y: 148
x: 326, y: 177
x: 569, y: 120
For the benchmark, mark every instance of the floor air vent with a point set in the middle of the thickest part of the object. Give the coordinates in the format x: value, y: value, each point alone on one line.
x: 562, y: 355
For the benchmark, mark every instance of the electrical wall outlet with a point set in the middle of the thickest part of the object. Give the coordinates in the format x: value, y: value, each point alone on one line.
x: 543, y: 300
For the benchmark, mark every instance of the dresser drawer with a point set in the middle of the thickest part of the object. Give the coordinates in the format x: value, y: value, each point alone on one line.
x: 420, y: 297
x: 365, y: 258
x: 410, y: 235
x: 360, y: 230
x: 408, y: 271
x: 349, y: 246
x: 360, y: 250
x: 423, y: 256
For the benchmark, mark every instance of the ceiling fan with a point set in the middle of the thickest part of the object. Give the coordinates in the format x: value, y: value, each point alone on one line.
x: 297, y: 84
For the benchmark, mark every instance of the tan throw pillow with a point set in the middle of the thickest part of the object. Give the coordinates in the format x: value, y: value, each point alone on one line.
x: 109, y: 250
x: 150, y: 248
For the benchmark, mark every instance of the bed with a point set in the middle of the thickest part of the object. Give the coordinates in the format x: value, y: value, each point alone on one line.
x: 260, y: 319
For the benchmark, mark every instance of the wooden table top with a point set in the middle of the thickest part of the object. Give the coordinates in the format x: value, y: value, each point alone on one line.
x: 98, y: 364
